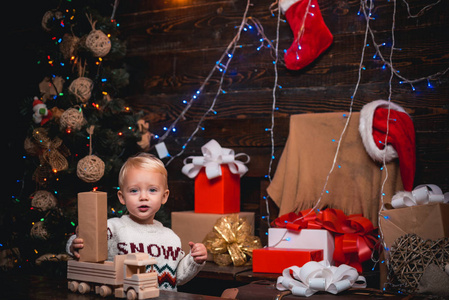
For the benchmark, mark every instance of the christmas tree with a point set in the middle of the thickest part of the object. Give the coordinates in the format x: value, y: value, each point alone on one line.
x: 80, y: 132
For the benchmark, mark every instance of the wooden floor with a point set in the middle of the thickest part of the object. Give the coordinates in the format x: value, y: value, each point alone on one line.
x: 28, y: 287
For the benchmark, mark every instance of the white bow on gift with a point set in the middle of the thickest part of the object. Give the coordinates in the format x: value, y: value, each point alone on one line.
x: 213, y: 156
x: 319, y: 276
x: 422, y: 194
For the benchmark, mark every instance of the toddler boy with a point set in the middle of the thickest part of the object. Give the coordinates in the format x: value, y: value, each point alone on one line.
x: 143, y: 189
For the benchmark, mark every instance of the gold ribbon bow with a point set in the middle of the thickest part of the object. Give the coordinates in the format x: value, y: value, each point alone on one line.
x: 231, y: 241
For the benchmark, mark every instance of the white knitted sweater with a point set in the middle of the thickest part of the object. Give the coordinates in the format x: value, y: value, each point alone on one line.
x: 173, y: 266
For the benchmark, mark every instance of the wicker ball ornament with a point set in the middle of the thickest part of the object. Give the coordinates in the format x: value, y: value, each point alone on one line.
x: 43, y: 200
x: 82, y: 88
x: 90, y: 168
x: 39, y: 231
x: 51, y: 15
x: 98, y: 43
x: 72, y: 119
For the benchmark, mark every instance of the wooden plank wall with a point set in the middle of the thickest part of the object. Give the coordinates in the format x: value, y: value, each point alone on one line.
x: 173, y: 45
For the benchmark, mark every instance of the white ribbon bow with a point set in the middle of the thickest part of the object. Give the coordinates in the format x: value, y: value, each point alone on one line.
x: 319, y: 276
x: 422, y: 194
x: 213, y: 156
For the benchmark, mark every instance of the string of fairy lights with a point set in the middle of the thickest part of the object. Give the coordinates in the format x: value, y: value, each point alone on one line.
x: 384, y: 163
x: 366, y: 8
x: 253, y: 26
x: 325, y: 190
x: 221, y: 66
x: 248, y: 24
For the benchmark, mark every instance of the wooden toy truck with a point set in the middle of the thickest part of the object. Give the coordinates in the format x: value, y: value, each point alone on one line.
x: 125, y: 277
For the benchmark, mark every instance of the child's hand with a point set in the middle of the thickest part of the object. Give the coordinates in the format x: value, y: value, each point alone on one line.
x: 77, y: 244
x: 198, y: 252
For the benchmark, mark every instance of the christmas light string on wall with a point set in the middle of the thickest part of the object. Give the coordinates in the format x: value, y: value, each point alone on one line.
x: 307, y: 14
x: 393, y: 73
x: 252, y: 23
x: 384, y: 163
x: 388, y: 63
x: 273, y: 109
x: 347, y: 116
x: 366, y: 9
x: 422, y: 11
x: 273, y: 106
x: 221, y: 65
x: 225, y: 59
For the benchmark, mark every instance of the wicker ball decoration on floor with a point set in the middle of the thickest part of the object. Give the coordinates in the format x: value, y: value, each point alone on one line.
x: 410, y: 255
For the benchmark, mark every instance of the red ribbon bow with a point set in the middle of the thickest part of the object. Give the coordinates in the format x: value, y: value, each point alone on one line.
x: 354, y: 239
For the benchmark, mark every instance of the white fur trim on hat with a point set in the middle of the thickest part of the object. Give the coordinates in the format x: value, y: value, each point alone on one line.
x: 366, y: 130
x: 285, y: 4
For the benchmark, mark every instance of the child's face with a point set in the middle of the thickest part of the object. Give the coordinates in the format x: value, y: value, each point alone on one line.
x: 143, y: 193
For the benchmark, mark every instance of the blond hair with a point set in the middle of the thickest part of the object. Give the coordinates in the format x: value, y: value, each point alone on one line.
x: 144, y: 161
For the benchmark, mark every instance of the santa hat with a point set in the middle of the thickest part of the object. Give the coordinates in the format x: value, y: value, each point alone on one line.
x: 401, y: 137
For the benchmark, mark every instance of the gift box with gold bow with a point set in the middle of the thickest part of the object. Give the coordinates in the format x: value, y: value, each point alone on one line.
x: 217, y: 178
x: 231, y: 241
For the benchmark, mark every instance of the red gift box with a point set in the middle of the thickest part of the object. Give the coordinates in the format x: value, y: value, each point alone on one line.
x: 220, y: 195
x: 275, y: 260
x: 354, y: 234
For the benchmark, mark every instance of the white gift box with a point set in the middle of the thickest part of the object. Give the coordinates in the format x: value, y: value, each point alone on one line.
x: 304, y: 239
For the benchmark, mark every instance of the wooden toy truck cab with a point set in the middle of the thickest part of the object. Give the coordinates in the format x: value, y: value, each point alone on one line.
x: 125, y: 277
x: 136, y: 282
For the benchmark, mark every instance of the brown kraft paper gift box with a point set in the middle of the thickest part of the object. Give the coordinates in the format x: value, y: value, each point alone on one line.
x: 92, y: 226
x: 191, y: 226
x: 429, y: 221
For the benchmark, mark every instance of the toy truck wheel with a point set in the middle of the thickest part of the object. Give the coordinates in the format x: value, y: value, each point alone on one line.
x: 105, y: 291
x: 73, y: 286
x: 131, y: 294
x: 83, y: 288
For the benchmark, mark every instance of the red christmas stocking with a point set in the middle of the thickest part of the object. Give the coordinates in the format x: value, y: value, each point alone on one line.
x: 311, y: 35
